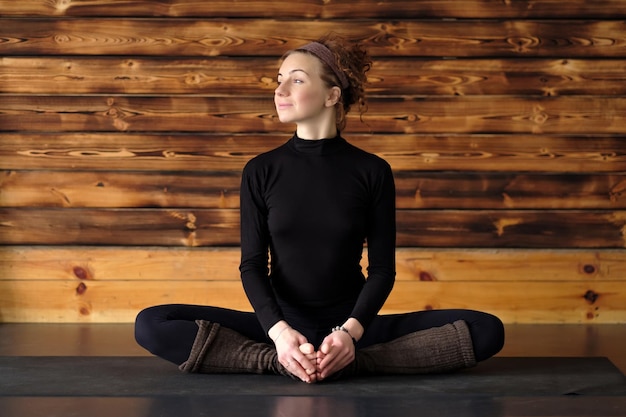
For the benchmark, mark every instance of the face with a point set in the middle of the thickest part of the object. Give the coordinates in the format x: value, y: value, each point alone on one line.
x: 301, y: 96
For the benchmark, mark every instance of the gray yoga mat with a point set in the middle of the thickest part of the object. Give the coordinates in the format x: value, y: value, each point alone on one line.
x: 86, y: 376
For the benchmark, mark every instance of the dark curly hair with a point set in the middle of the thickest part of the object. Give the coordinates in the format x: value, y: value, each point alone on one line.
x: 351, y: 58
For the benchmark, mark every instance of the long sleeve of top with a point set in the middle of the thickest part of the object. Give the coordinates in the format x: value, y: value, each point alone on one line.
x: 307, y: 208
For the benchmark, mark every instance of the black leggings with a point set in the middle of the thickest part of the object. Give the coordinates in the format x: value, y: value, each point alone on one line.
x: 168, y: 331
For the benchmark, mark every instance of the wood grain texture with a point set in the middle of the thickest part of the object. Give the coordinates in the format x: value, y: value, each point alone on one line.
x: 125, y: 124
x: 535, y: 302
x: 217, y: 190
x: 466, y: 114
x: 115, y: 301
x: 120, y: 301
x: 201, y: 152
x: 254, y: 37
x: 511, y: 228
x: 420, y: 228
x: 468, y: 190
x: 256, y: 76
x: 102, y: 263
x: 186, y: 227
x: 308, y: 9
x: 112, y: 284
x: 119, y: 189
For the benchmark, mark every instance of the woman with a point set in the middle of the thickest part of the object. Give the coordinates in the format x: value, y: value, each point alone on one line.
x: 309, y: 206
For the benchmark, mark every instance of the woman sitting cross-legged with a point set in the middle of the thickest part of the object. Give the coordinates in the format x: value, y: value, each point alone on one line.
x: 307, y: 209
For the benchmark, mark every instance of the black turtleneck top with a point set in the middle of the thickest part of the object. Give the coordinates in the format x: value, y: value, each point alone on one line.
x: 309, y: 206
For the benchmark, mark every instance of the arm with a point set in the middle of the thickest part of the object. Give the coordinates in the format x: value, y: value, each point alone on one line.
x: 254, y: 250
x: 254, y: 276
x: 337, y: 349
x: 381, y: 249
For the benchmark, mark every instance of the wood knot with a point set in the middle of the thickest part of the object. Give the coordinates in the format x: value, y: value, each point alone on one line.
x: 523, y: 44
x: 591, y: 296
x: 190, y: 219
x: 193, y: 79
x: 62, y: 5
x: 426, y: 276
x: 113, y: 113
x: 589, y: 269
x: 80, y: 272
x: 81, y: 289
x: 62, y: 38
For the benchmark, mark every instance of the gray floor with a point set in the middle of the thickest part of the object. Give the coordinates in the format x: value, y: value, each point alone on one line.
x: 117, y: 340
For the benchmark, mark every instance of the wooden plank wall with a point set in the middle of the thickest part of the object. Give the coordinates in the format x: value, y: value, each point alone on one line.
x: 124, y: 126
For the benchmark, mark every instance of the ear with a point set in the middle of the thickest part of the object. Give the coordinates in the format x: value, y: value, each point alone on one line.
x: 333, y: 96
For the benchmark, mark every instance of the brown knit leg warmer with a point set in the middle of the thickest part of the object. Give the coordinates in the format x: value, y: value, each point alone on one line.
x: 220, y: 350
x: 439, y: 349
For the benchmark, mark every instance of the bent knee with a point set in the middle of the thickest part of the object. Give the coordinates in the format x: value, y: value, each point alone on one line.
x: 490, y: 339
x: 145, y: 328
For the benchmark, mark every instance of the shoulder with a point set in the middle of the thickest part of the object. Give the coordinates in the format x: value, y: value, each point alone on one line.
x: 368, y: 159
x: 264, y: 159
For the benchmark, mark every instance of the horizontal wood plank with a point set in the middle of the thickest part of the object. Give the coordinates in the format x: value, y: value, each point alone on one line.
x: 115, y: 301
x: 401, y: 9
x: 516, y: 265
x: 254, y: 37
x: 421, y: 228
x: 160, y: 152
x: 468, y: 190
x: 127, y: 263
x: 229, y: 152
x: 511, y: 228
x: 517, y: 302
x: 186, y: 227
x: 119, y: 189
x: 466, y: 114
x: 423, y: 190
x: 120, y: 301
x: 256, y: 76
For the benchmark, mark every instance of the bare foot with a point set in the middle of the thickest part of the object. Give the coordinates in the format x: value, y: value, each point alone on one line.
x: 307, y: 349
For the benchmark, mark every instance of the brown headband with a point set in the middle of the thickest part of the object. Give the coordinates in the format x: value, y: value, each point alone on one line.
x: 326, y: 56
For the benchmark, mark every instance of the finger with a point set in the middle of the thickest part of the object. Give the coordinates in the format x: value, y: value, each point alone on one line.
x: 328, y: 351
x: 307, y: 363
x: 325, y: 348
x: 327, y: 363
x: 327, y: 358
x: 291, y: 362
x: 336, y: 360
x: 336, y: 365
x: 303, y: 367
x: 294, y: 368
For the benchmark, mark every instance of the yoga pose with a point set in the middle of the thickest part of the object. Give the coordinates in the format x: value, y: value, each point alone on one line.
x: 307, y: 209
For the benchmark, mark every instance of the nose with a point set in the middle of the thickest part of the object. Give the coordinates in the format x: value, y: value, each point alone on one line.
x: 280, y: 90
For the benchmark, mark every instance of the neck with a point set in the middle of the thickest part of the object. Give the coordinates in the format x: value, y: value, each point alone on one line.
x: 315, y: 131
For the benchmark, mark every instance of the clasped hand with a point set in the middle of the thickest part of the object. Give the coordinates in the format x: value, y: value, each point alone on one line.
x: 301, y: 359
